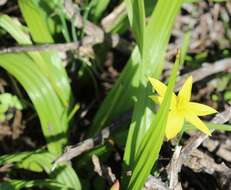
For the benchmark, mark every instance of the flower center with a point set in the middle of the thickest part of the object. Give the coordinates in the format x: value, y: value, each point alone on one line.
x: 181, y: 105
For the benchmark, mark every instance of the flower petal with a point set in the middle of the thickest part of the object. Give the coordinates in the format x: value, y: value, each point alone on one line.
x: 174, y: 124
x: 161, y: 88
x: 185, y: 92
x: 193, y: 119
x: 200, y: 109
x: 158, y: 86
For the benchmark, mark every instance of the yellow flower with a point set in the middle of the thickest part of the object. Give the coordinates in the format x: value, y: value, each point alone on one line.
x: 181, y: 108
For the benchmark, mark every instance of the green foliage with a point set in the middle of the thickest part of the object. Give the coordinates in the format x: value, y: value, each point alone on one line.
x: 121, y: 97
x: 41, y: 160
x: 31, y: 70
x: 44, y: 78
x: 35, y: 21
x: 132, y: 83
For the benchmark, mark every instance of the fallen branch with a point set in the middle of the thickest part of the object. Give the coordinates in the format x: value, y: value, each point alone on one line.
x: 81, y: 47
x: 44, y: 47
x: 206, y: 70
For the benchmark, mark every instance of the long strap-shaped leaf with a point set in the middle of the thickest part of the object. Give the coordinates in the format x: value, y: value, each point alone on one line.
x: 49, y: 66
x: 49, y: 62
x: 136, y: 15
x: 45, y: 100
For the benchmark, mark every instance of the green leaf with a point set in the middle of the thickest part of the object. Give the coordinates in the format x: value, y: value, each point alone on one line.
x: 49, y: 62
x: 35, y: 21
x: 15, y: 29
x: 51, y: 77
x: 136, y: 15
x: 48, y: 13
x: 45, y: 80
x: 47, y: 104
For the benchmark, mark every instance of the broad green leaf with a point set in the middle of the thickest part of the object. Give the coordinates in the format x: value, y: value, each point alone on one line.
x: 40, y: 33
x: 48, y: 63
x: 48, y: 13
x: 47, y: 104
x: 45, y: 80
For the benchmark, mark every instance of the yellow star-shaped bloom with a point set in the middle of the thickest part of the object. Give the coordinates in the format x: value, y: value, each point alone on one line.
x: 181, y: 108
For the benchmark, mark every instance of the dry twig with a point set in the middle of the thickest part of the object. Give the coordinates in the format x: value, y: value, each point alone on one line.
x: 154, y: 183
x: 43, y: 47
x: 206, y: 70
x: 103, y: 170
x: 95, y: 35
x: 108, y: 21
